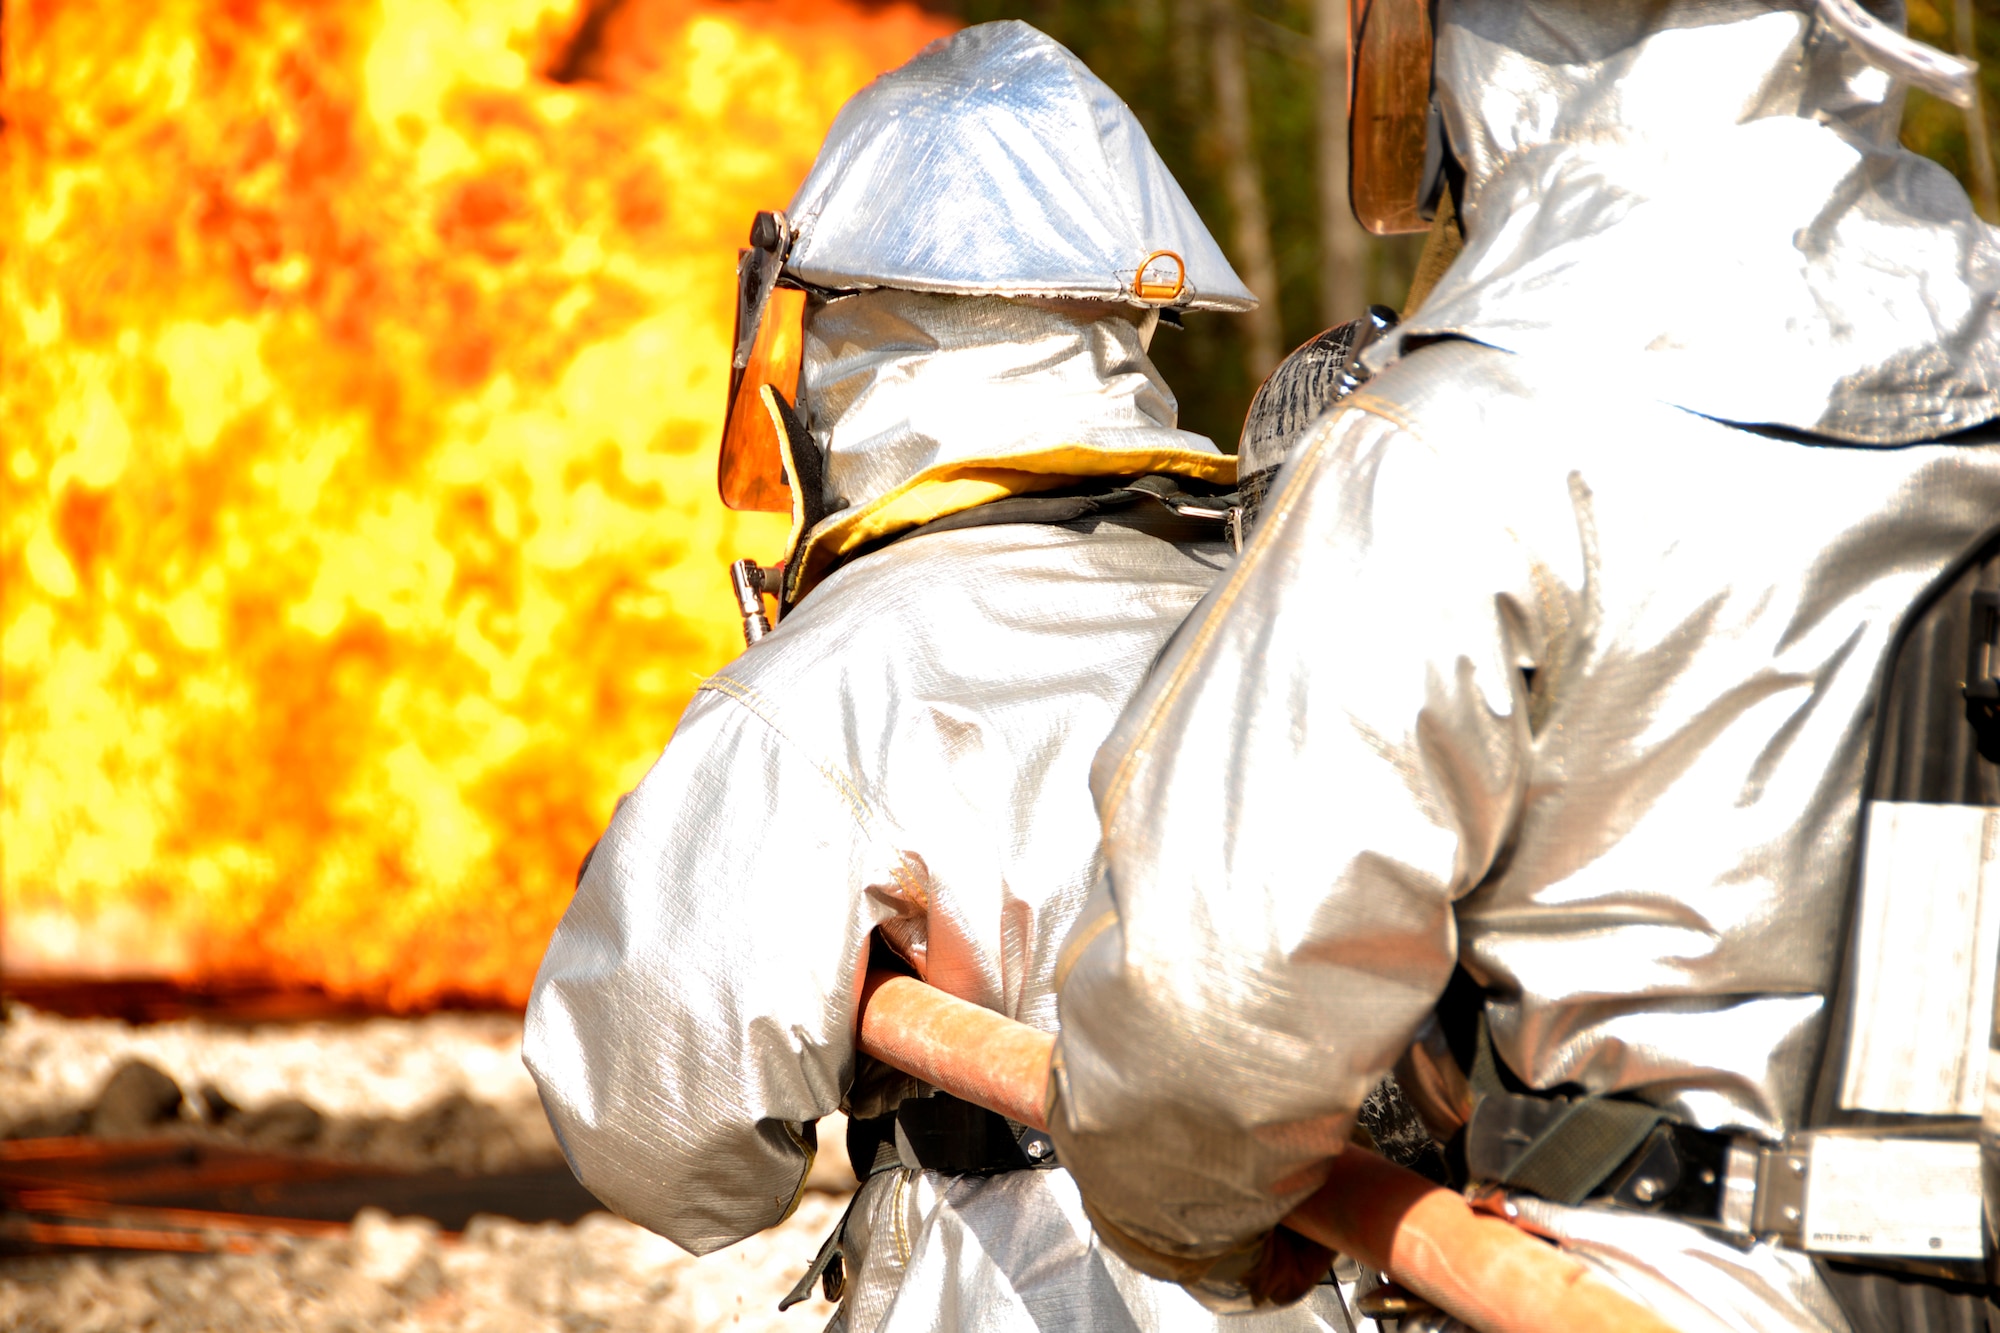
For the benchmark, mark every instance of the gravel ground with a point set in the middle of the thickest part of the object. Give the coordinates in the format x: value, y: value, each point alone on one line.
x: 599, y: 1276
x: 381, y: 1066
x: 443, y: 1090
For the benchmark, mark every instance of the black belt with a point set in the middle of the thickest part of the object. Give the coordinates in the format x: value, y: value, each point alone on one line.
x: 1598, y: 1148
x: 943, y: 1134
x: 1679, y: 1171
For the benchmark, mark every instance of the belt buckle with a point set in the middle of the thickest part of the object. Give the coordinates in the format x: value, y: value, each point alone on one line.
x: 1872, y: 1196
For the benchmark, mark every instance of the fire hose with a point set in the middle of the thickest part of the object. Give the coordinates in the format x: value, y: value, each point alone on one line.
x: 1474, y: 1266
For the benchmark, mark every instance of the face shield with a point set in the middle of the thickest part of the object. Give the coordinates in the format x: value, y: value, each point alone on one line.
x: 1393, y: 149
x: 769, y: 339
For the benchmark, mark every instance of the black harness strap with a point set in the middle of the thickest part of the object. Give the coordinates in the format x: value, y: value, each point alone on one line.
x: 1560, y: 1149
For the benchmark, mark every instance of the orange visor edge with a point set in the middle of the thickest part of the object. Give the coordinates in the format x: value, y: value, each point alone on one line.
x: 751, y: 471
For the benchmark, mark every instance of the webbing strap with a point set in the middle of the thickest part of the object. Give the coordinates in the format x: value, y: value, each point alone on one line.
x: 1484, y: 1076
x: 1579, y: 1149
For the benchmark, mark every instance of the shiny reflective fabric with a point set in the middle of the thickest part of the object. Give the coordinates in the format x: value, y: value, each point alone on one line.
x: 1693, y: 1278
x: 1063, y: 391
x: 996, y: 163
x: 1708, y: 198
x: 887, y: 375
x: 993, y: 163
x: 1523, y: 671
x: 1017, y: 1252
x: 1389, y: 58
x: 910, y: 747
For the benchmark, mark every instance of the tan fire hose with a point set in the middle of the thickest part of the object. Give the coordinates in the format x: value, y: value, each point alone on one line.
x: 1475, y: 1267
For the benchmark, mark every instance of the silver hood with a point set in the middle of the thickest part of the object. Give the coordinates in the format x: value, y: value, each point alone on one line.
x: 995, y: 162
x: 895, y: 383
x: 1705, y: 200
x: 923, y: 405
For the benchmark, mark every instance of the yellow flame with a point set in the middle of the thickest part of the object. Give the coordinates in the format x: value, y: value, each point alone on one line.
x: 360, y: 388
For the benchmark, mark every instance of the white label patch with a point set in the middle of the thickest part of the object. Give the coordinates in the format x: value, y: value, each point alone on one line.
x: 1893, y: 1196
x: 1928, y: 936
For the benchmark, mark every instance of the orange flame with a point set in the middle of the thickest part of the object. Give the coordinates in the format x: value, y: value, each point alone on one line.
x: 359, y: 388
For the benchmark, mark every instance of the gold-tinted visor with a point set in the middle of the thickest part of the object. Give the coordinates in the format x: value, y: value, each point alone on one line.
x: 770, y: 339
x: 1388, y: 111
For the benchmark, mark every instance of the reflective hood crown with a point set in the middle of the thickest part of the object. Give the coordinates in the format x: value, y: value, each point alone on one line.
x: 995, y: 163
x: 975, y: 238
x: 1707, y: 199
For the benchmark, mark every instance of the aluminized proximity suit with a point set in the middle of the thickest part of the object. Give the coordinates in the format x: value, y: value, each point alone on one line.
x: 1556, y: 651
x: 909, y: 748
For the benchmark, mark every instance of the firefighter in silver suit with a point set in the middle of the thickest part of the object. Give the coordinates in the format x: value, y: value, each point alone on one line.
x: 1547, y: 681
x: 997, y: 527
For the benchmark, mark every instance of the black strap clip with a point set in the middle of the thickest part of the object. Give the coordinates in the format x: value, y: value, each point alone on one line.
x: 829, y: 1266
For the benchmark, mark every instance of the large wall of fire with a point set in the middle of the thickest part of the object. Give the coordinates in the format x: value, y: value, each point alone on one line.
x: 361, y: 367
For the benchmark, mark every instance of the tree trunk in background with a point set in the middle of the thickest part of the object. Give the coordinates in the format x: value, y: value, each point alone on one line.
x: 1343, y: 245
x: 1978, y: 143
x: 1246, y: 189
x: 1184, y: 46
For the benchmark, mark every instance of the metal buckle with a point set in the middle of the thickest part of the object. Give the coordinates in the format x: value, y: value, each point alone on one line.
x: 1865, y: 1195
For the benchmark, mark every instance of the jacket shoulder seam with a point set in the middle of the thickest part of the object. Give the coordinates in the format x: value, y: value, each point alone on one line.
x: 755, y: 704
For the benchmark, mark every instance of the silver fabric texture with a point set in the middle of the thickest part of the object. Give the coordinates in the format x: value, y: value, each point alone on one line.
x: 1523, y: 671
x: 1707, y: 198
x: 994, y: 162
x: 1693, y: 1280
x: 1696, y: 1282
x: 893, y: 383
x: 909, y: 748
x: 1017, y: 1252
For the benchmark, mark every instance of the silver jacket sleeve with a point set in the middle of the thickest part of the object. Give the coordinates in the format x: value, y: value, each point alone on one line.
x: 698, y: 968
x: 909, y: 748
x: 1286, y: 833
x: 1524, y: 672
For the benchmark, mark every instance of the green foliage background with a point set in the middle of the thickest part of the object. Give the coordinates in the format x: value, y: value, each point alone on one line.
x: 1143, y: 50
